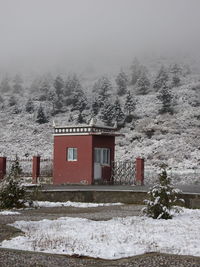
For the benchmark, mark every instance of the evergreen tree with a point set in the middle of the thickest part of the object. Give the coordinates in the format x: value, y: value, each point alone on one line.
x: 80, y: 118
x: 5, y: 85
x: 95, y: 107
x: 12, y: 101
x: 130, y: 104
x: 122, y: 82
x: 166, y: 97
x: 136, y: 70
x: 41, y: 117
x: 176, y: 72
x: 103, y: 89
x: 161, y: 78
x: 118, y: 114
x: 59, y: 85
x: 17, y: 86
x: 162, y: 198
x: 107, y: 113
x: 44, y: 90
x: 72, y: 85
x: 29, y: 106
x: 143, y: 84
x: 176, y: 81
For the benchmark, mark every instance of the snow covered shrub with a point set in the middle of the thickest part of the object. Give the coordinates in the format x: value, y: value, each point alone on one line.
x: 12, y: 194
x: 162, y: 198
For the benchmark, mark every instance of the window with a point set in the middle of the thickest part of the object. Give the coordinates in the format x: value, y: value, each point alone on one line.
x: 106, y: 156
x: 72, y: 154
x: 102, y: 156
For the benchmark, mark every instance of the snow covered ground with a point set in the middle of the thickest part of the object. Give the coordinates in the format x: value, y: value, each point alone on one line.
x: 116, y: 238
x: 48, y: 204
x: 9, y: 212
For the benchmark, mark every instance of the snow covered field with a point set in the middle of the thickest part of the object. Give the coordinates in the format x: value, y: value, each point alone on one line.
x: 116, y: 238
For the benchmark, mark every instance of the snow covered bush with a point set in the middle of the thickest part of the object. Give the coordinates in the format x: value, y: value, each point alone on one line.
x: 12, y: 194
x: 162, y: 198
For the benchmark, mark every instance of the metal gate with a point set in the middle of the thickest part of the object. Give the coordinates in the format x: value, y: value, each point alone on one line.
x: 123, y: 172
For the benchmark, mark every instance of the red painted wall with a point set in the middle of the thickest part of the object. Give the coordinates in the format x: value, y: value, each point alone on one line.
x: 72, y: 171
x: 83, y: 169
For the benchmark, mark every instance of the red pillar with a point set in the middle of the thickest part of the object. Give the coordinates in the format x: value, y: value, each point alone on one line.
x: 35, y: 169
x: 2, y: 167
x: 139, y: 171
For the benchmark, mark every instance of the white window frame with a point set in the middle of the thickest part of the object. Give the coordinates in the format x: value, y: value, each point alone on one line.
x: 72, y: 154
x: 102, y: 156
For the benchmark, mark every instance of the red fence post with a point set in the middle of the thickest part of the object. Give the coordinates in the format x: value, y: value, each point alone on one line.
x: 36, y: 169
x: 2, y: 167
x: 139, y: 171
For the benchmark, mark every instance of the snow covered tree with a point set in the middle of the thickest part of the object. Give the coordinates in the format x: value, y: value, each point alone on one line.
x: 12, y: 194
x: 176, y: 72
x: 5, y: 85
x: 44, y: 90
x: 136, y: 70
x: 12, y: 101
x: 95, y: 107
x: 59, y: 85
x: 118, y: 114
x: 17, y: 86
x: 161, y: 79
x: 166, y: 98
x: 41, y: 117
x: 130, y: 104
x: 72, y: 84
x: 80, y: 118
x: 107, y: 113
x: 143, y: 84
x: 162, y: 198
x: 29, y: 106
x: 102, y: 88
x: 122, y: 82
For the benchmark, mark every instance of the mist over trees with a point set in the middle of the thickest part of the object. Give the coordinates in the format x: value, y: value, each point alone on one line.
x: 111, y: 99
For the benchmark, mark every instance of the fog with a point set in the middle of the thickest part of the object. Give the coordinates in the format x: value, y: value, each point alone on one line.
x: 45, y: 35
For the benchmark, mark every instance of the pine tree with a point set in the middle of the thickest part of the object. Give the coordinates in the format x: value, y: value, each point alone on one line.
x: 118, y: 114
x: 12, y: 194
x: 129, y: 107
x: 12, y: 101
x: 122, y: 82
x: 166, y: 97
x: 5, y: 85
x: 29, y: 106
x: 102, y: 88
x: 143, y: 84
x: 17, y: 87
x: 161, y: 79
x: 107, y: 113
x: 44, y: 90
x: 80, y: 118
x: 41, y: 117
x: 162, y: 198
x: 59, y: 85
x: 176, y: 72
x: 95, y: 107
x: 136, y: 70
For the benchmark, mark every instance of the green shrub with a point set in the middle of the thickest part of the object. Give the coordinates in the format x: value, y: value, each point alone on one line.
x: 162, y: 198
x: 12, y: 194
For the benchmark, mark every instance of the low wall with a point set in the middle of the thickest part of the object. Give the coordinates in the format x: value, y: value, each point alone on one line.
x: 128, y: 197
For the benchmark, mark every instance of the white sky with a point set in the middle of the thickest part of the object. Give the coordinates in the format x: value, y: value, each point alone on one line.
x: 46, y: 33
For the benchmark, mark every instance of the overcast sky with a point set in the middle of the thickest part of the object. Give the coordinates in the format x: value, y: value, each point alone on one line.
x: 49, y: 33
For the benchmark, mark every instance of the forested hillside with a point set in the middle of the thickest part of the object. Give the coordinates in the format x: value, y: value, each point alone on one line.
x: 156, y: 106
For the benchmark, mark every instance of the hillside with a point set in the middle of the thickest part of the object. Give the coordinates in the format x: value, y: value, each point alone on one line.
x: 170, y: 138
